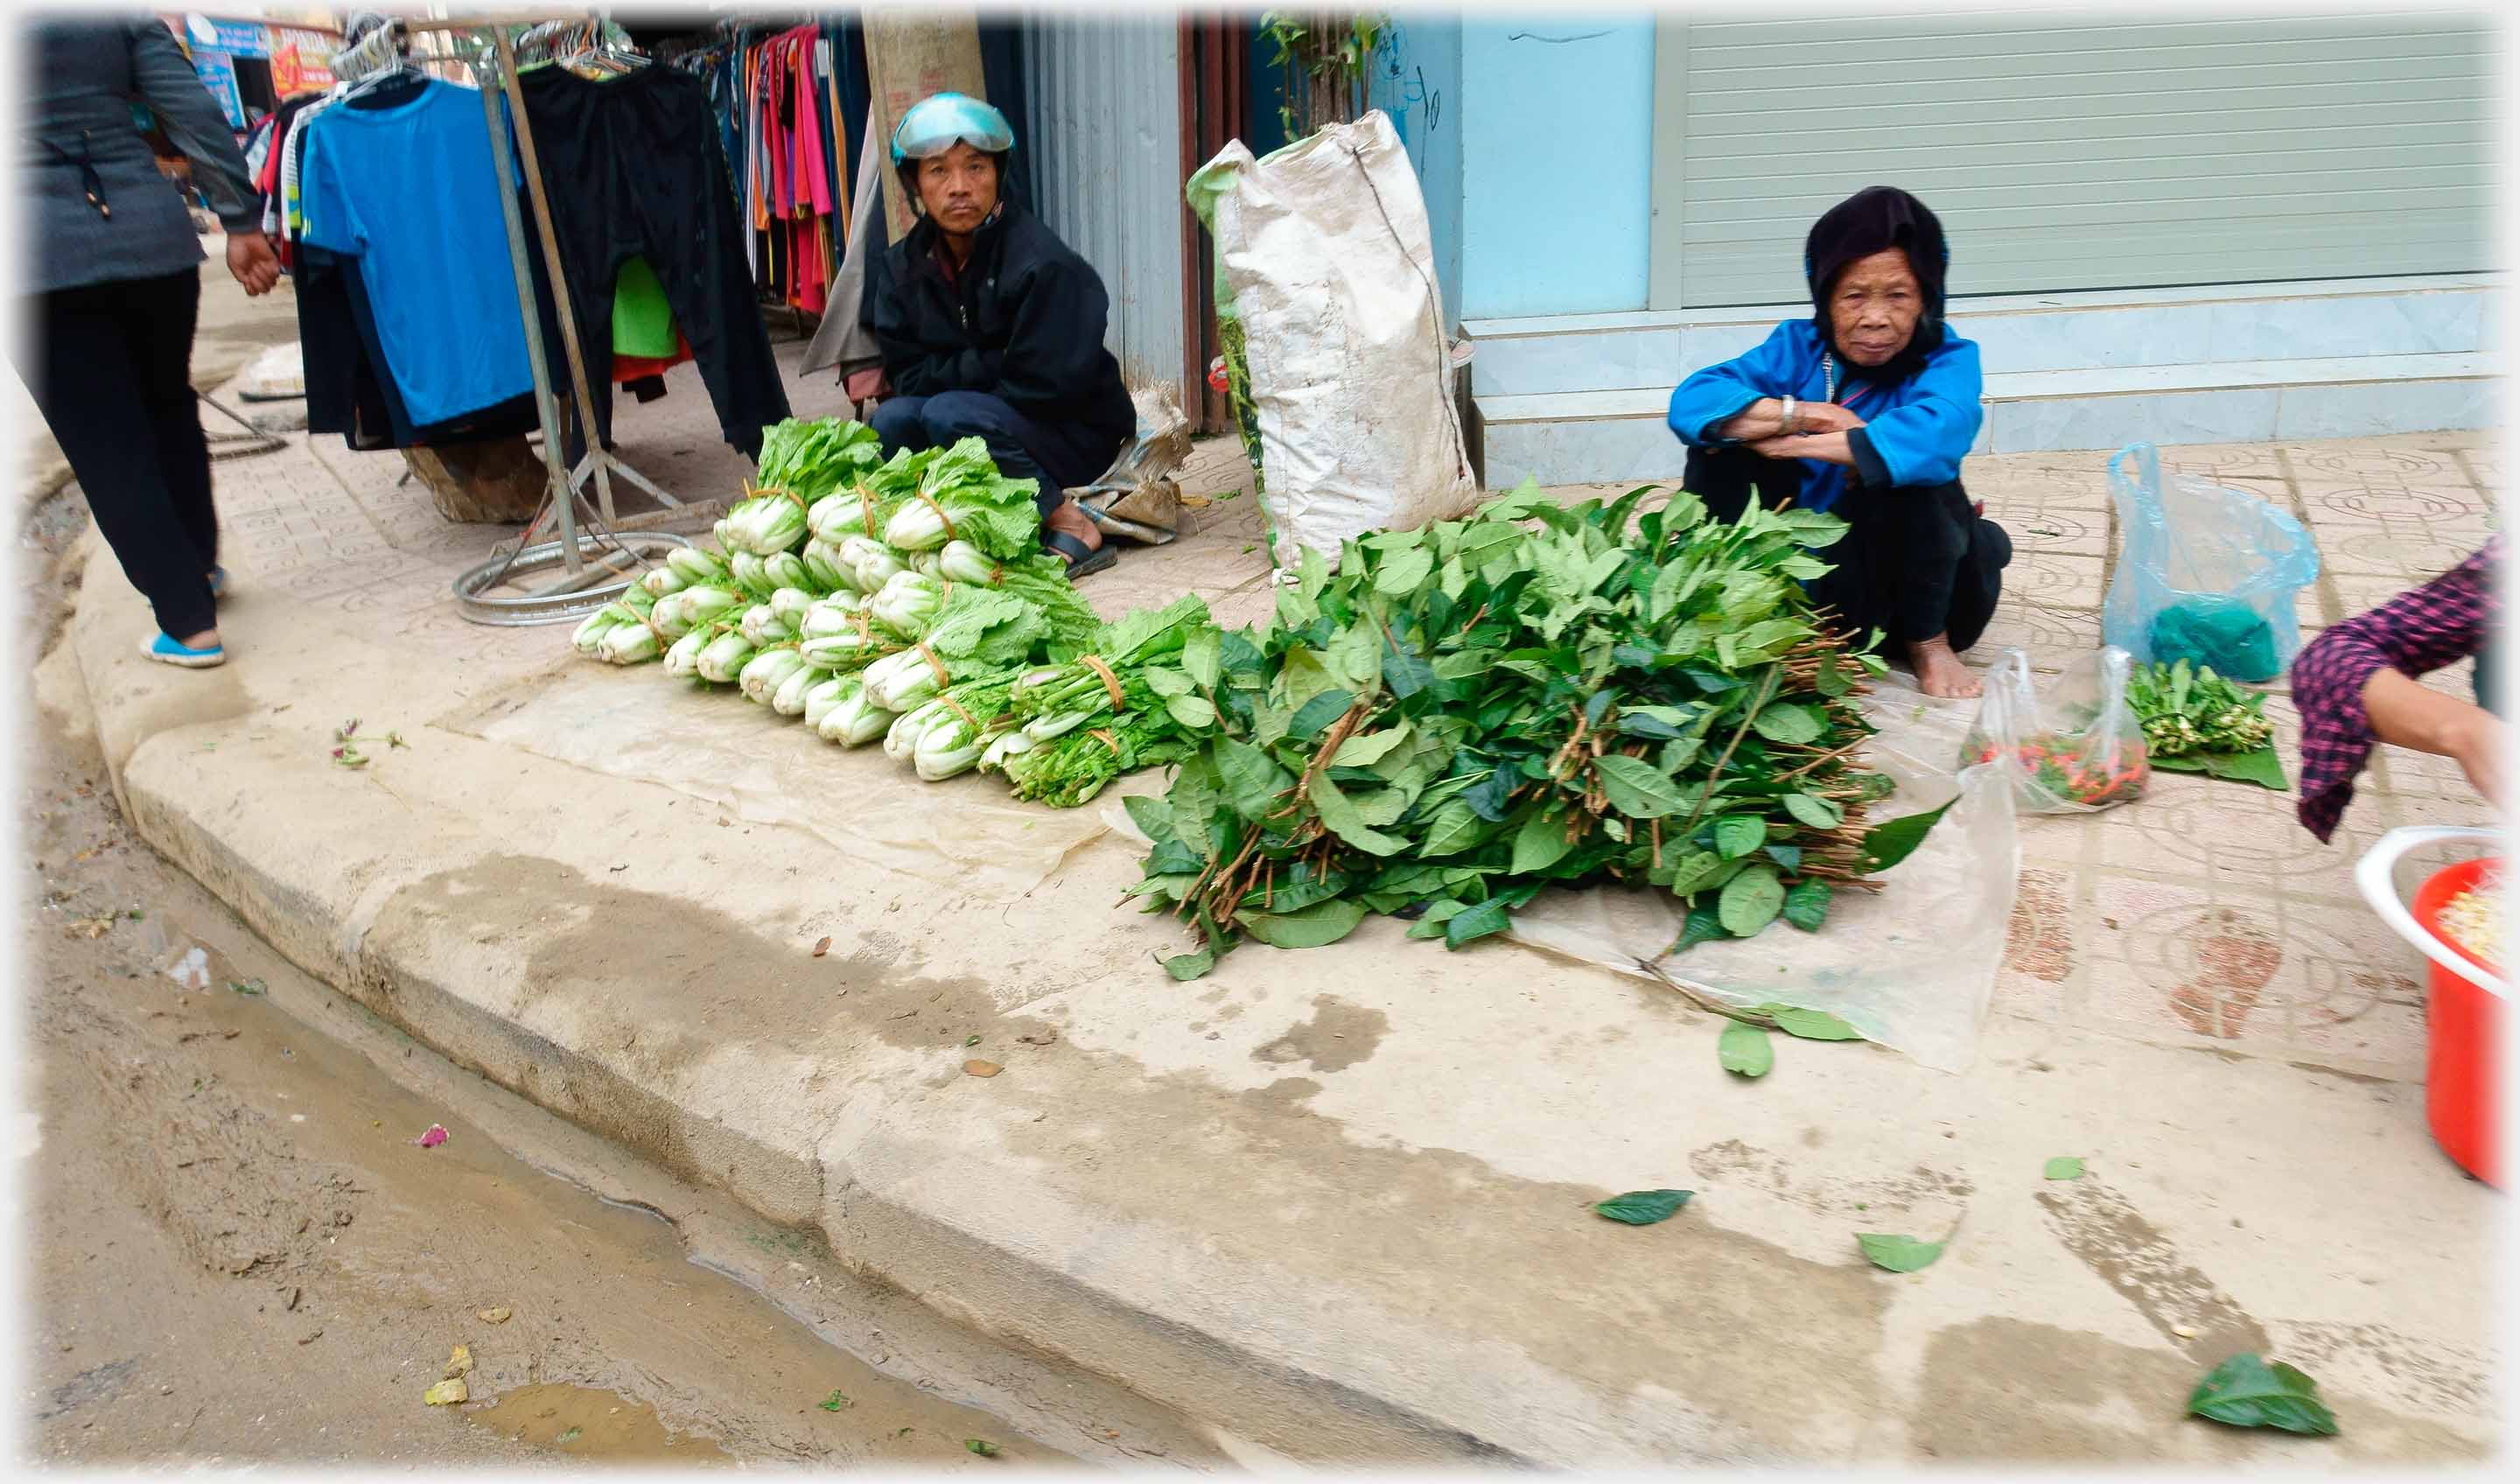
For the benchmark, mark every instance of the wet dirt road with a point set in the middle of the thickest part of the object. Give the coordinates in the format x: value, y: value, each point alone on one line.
x: 240, y: 1250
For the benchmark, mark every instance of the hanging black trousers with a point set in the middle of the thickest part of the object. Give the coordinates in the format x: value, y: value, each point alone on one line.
x: 111, y: 367
x: 1916, y: 562
x: 634, y: 168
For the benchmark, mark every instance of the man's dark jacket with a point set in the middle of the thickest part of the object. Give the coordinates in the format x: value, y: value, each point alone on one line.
x: 1023, y: 320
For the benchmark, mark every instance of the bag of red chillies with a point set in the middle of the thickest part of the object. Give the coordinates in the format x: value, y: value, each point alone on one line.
x: 2073, y: 747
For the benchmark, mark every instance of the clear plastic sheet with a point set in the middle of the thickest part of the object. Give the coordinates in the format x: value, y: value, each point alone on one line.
x: 965, y: 833
x: 1912, y: 966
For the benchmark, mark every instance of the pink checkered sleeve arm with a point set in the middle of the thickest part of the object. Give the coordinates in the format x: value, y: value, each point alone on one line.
x: 2415, y: 633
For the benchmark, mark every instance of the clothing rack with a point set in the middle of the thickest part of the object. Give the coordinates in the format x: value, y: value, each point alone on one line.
x: 566, y: 485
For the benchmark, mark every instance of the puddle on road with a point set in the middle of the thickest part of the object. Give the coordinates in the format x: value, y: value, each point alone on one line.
x: 585, y: 1423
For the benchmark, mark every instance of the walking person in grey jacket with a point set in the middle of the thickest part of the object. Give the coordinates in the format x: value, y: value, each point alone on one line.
x: 112, y: 294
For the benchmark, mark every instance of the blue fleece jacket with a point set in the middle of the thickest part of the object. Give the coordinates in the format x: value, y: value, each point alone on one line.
x: 1916, y: 431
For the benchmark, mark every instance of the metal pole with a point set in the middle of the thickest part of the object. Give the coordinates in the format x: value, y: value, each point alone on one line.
x: 544, y: 406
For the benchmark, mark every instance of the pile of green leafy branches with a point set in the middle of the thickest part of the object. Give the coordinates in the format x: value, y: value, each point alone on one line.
x: 1467, y: 713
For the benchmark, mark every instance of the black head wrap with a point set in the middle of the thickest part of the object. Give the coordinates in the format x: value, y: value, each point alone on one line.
x: 1877, y: 219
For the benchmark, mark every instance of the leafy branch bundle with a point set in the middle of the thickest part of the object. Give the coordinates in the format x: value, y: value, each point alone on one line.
x: 2195, y: 721
x: 1467, y: 713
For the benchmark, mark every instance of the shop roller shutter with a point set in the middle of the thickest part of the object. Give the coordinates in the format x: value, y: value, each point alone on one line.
x: 2062, y: 153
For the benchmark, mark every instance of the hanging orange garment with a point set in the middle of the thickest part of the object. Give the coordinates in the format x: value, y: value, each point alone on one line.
x: 756, y: 61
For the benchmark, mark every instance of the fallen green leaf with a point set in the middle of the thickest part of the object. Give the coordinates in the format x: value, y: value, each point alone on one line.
x: 1898, y: 1254
x: 244, y: 986
x: 1190, y: 965
x: 2064, y: 1168
x: 970, y: 1040
x: 984, y: 1449
x: 1744, y: 1049
x: 568, y: 1437
x: 1643, y: 1208
x: 2245, y: 1391
x: 1809, y: 1024
x: 834, y: 1402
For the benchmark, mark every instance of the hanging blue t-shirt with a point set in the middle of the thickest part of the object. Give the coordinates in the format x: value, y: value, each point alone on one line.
x: 410, y: 191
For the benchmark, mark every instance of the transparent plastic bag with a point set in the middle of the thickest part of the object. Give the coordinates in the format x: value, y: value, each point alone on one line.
x: 2073, y: 749
x: 1910, y: 967
x: 2205, y: 574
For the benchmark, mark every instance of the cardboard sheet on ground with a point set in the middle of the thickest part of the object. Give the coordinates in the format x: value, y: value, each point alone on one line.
x: 1910, y: 967
x: 965, y: 833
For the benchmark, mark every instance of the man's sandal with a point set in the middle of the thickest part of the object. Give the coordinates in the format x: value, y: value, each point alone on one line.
x: 1082, y: 560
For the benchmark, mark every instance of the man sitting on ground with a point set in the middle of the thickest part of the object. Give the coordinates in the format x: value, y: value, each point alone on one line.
x: 992, y: 327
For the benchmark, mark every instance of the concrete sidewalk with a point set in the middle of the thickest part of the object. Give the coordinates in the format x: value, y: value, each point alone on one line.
x: 1333, y: 1203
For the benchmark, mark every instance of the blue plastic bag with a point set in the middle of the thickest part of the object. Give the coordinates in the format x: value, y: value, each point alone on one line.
x: 2205, y: 572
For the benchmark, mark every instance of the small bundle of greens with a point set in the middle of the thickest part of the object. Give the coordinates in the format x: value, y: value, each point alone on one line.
x: 1123, y: 703
x: 1074, y: 766
x: 622, y: 632
x: 800, y: 463
x: 860, y: 506
x: 947, y: 733
x: 2195, y: 721
x: 961, y: 496
x: 1468, y: 713
x: 810, y: 460
x: 982, y: 630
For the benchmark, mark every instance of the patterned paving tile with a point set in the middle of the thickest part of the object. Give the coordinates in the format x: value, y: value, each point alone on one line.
x: 2054, y: 580
x: 2254, y: 970
x: 2052, y: 637
x: 2401, y: 531
x: 2048, y: 528
x: 2042, y: 951
x: 2232, y: 461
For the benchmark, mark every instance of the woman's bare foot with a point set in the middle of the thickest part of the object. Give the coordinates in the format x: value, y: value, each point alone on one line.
x: 1939, y: 671
x: 208, y: 638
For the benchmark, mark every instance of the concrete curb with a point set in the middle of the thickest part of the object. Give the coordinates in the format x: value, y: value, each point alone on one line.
x: 1331, y: 1205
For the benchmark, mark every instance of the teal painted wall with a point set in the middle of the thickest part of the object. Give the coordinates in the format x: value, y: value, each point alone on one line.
x: 1418, y: 83
x: 1554, y: 125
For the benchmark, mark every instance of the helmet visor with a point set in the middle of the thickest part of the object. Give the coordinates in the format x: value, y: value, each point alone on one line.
x: 934, y: 125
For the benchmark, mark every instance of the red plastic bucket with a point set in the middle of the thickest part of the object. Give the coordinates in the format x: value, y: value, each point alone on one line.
x: 2462, y: 1095
x: 2464, y: 1011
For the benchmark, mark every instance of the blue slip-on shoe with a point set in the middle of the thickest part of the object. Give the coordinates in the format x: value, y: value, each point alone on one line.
x: 166, y: 651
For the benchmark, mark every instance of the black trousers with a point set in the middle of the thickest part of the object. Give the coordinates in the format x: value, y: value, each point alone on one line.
x: 1917, y: 561
x: 635, y: 170
x: 1053, y: 455
x: 112, y: 370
